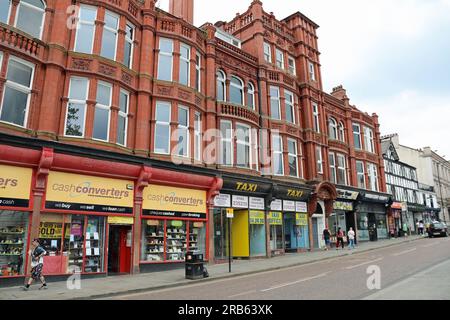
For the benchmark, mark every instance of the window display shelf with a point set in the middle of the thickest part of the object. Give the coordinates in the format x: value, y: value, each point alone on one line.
x: 11, y: 244
x: 155, y: 236
x: 15, y: 233
x: 10, y: 255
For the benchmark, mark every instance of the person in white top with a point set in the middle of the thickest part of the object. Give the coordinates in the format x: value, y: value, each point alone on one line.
x: 351, y: 239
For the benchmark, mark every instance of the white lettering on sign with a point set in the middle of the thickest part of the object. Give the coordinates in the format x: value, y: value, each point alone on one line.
x: 276, y: 205
x: 222, y: 200
x: 257, y: 203
x: 288, y: 206
x: 301, y: 207
x: 240, y: 202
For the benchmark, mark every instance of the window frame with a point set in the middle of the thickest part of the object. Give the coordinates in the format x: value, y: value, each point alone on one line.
x: 26, y: 4
x: 333, y: 129
x: 131, y: 42
x: 240, y: 88
x: 354, y: 125
x: 109, y: 29
x: 227, y: 139
x: 197, y: 136
x: 278, y: 152
x: 198, y: 72
x: 290, y: 105
x: 79, y: 21
x: 267, y: 45
x: 247, y: 145
x: 186, y: 128
x: 277, y: 99
x: 368, y: 140
x: 363, y: 174
x: 251, y: 94
x: 319, y: 160
x: 162, y: 123
x: 312, y: 71
x: 18, y: 87
x: 162, y: 53
x: 295, y: 156
x: 316, y: 117
x: 292, y: 69
x: 344, y: 168
x: 341, y: 131
x: 185, y: 60
x: 84, y: 102
x: 279, y: 52
x: 9, y: 12
x: 223, y: 83
x: 333, y: 167
x: 125, y: 116
x: 374, y: 178
x: 104, y: 107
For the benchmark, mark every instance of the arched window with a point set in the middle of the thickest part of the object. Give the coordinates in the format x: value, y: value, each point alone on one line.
x: 341, y: 132
x: 221, y: 88
x: 332, y: 126
x: 236, y: 90
x: 251, y: 95
x: 30, y: 17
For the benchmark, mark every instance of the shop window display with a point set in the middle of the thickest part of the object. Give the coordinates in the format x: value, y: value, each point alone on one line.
x: 275, y: 220
x: 153, y: 241
x: 363, y: 226
x: 13, y: 240
x: 382, y: 232
x: 176, y: 240
x: 95, y: 231
x: 197, y: 237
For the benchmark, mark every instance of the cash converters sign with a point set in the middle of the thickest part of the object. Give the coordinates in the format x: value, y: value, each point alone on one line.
x: 163, y: 198
x: 67, y: 191
x: 15, y: 184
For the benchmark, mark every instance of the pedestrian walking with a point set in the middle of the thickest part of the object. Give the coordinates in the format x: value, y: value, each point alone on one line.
x: 339, y: 239
x: 405, y: 229
x: 421, y: 226
x: 326, y: 237
x: 37, y: 264
x: 351, y: 239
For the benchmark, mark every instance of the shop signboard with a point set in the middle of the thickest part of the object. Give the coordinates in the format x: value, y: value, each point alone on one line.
x: 276, y: 205
x: 171, y: 199
x: 174, y: 214
x: 291, y: 193
x: 301, y: 207
x: 396, y: 205
x: 240, y: 202
x: 245, y: 186
x: 347, y: 194
x: 376, y: 197
x: 342, y: 205
x: 257, y: 203
x: 275, y: 218
x: 230, y: 213
x: 301, y: 219
x: 222, y: 200
x: 15, y: 186
x: 404, y: 207
x: 121, y: 220
x: 49, y: 230
x: 73, y: 192
x: 288, y: 206
x: 256, y: 217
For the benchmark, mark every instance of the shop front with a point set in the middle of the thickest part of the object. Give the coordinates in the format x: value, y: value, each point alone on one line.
x: 15, y: 212
x: 418, y: 213
x: 174, y: 221
x: 343, y: 215
x: 86, y: 224
x: 394, y: 219
x: 248, y: 200
x: 371, y: 216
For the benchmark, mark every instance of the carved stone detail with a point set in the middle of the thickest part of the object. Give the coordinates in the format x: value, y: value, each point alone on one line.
x: 81, y: 64
x: 165, y: 91
x: 107, y: 70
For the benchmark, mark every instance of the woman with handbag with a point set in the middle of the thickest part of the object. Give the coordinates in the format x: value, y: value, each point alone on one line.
x: 37, y: 264
x: 340, y: 239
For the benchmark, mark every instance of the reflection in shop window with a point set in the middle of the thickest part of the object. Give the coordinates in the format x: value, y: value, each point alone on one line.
x: 13, y: 241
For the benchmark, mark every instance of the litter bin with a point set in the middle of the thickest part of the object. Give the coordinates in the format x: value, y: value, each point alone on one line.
x: 194, y: 265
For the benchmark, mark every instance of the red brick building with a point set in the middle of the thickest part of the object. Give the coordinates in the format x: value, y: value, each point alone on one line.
x: 106, y: 112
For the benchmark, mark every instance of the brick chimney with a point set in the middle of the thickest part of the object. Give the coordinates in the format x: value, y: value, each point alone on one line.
x: 183, y: 9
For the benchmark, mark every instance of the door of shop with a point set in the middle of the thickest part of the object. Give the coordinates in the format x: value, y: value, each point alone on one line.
x: 315, y: 231
x: 119, y: 250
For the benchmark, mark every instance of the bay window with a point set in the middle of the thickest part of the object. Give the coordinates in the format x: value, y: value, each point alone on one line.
x: 290, y: 112
x: 368, y: 140
x: 197, y: 136
x: 280, y: 58
x: 165, y: 59
x: 84, y: 39
x: 332, y: 160
x: 267, y: 52
x: 76, y: 107
x: 122, y: 120
x: 319, y: 160
x: 221, y: 86
x: 277, y: 155
x: 373, y: 176
x: 30, y: 17
x: 293, y: 158
x: 316, y: 121
x: 162, y: 127
x: 109, y: 40
x: 226, y: 149
x: 357, y: 135
x: 5, y: 7
x: 183, y: 132
x: 102, y: 111
x: 185, y: 64
x: 332, y: 127
x: 275, y: 103
x: 236, y: 90
x: 17, y: 92
x: 243, y: 155
x: 360, y: 174
x: 129, y: 45
x: 341, y: 169
x: 251, y: 96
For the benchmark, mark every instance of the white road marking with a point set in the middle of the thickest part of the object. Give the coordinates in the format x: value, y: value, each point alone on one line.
x: 403, y: 252
x: 363, y: 264
x: 295, y: 282
x: 430, y: 245
x: 242, y: 294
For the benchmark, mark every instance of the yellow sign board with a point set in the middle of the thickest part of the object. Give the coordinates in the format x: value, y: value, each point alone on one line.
x: 301, y: 219
x: 275, y: 218
x: 164, y: 198
x: 256, y: 217
x: 120, y: 220
x: 67, y: 191
x: 49, y: 230
x: 230, y: 213
x: 15, y: 184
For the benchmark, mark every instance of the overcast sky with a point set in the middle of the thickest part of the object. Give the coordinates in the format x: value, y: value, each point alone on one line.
x: 392, y: 56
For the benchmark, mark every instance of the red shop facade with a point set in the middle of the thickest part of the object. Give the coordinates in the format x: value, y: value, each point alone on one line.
x: 97, y: 216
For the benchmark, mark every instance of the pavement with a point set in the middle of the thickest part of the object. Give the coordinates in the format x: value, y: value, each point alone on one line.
x: 107, y: 287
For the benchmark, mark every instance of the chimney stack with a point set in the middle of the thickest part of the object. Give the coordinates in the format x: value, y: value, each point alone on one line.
x: 183, y: 9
